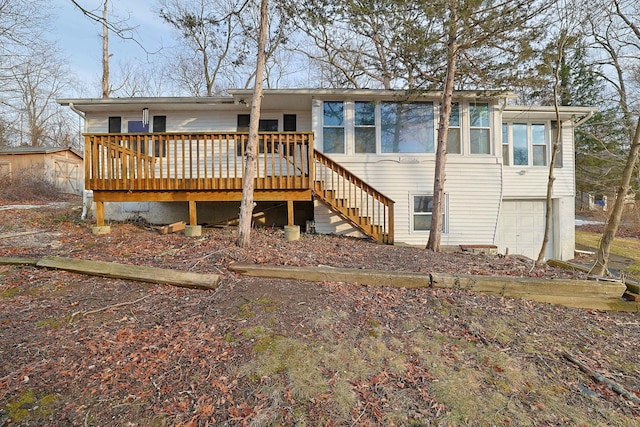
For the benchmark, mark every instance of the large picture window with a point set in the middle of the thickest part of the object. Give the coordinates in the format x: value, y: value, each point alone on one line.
x: 407, y: 127
x: 333, y: 127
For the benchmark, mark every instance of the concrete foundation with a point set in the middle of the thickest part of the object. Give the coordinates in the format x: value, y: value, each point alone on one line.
x: 193, y: 230
x: 291, y: 232
x: 101, y: 229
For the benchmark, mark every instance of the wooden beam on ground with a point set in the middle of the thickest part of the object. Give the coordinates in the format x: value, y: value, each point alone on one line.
x: 570, y: 293
x: 172, y: 228
x: 183, y: 279
x: 632, y: 285
x: 18, y: 261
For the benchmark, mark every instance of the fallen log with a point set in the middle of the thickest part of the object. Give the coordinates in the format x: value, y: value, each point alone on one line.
x: 602, y: 379
x: 183, y: 279
x: 569, y: 293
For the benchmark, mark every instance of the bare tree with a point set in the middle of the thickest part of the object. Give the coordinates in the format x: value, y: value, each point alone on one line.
x: 35, y: 84
x: 617, y: 33
x: 247, y: 204
x: 212, y: 40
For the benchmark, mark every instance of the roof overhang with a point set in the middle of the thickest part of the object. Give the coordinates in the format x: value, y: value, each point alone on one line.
x: 273, y: 99
x: 577, y: 114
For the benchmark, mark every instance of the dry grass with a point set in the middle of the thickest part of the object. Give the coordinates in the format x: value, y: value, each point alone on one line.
x: 626, y: 247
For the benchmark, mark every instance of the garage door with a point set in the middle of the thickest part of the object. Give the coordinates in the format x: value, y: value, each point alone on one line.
x: 522, y: 228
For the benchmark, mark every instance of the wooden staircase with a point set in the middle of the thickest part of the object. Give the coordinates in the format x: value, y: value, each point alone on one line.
x: 353, y: 199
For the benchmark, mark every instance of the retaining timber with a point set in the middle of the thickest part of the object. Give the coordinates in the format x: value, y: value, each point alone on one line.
x: 569, y: 293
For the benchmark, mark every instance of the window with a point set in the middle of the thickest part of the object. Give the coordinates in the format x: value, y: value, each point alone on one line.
x: 115, y: 124
x: 554, y: 135
x: 365, y: 127
x: 289, y: 123
x: 528, y: 142
x: 453, y: 137
x: 407, y: 128
x: 505, y: 145
x: 159, y: 125
x: 539, y: 145
x: 333, y: 127
x: 265, y: 125
x: 480, y: 140
x: 520, y: 145
x: 422, y: 210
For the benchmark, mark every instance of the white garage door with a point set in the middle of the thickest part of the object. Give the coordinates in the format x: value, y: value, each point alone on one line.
x: 522, y: 228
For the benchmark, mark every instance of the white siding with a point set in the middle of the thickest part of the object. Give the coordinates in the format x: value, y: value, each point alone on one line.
x: 196, y: 121
x: 473, y: 194
x: 531, y: 181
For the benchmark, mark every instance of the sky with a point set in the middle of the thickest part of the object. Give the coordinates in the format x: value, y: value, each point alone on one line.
x: 79, y: 37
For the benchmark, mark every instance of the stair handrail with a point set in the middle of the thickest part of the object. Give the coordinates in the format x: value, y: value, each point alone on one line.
x: 387, y: 202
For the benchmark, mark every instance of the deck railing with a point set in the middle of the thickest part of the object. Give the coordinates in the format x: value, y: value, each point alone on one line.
x: 191, y: 162
x: 356, y: 201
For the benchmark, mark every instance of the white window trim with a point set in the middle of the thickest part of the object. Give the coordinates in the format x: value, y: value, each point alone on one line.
x: 467, y: 128
x: 445, y: 216
x: 529, y: 124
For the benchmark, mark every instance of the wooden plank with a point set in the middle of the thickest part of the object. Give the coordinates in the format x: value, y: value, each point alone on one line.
x: 571, y: 293
x: 132, y: 272
x: 18, y: 261
x: 172, y: 228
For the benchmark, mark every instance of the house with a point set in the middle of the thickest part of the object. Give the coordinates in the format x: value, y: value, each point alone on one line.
x: 63, y: 166
x: 356, y: 162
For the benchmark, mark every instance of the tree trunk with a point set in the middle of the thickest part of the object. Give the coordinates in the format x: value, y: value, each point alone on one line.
x: 437, y: 211
x: 554, y: 153
x: 105, y: 51
x: 610, y: 229
x: 247, y: 204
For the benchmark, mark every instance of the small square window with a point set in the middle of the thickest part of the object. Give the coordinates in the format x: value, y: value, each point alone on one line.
x: 422, y: 210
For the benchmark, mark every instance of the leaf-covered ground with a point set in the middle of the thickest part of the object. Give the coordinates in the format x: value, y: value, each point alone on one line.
x: 81, y: 350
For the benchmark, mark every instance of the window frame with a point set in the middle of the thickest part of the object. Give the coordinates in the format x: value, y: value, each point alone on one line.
x: 413, y: 213
x: 470, y: 106
x: 342, y: 126
x: 530, y: 145
x: 458, y: 108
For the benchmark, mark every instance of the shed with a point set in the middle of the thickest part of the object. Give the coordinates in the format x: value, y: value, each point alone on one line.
x: 64, y: 166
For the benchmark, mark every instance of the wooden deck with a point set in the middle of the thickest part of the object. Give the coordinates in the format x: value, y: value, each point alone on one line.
x: 178, y: 167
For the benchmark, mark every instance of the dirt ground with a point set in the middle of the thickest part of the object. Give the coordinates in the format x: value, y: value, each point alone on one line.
x: 92, y: 351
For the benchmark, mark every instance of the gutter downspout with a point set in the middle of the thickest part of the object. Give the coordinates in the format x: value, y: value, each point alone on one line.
x: 583, y: 119
x: 85, y: 193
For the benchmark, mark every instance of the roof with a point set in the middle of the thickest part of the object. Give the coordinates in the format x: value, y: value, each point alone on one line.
x: 38, y: 150
x: 272, y: 99
x: 578, y: 114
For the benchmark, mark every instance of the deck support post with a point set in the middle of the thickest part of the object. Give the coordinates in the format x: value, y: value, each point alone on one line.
x: 290, y: 219
x: 100, y: 214
x: 100, y: 228
x: 193, y: 216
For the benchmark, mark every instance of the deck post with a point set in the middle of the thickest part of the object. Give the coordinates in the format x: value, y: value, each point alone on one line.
x: 100, y: 214
x: 290, y: 219
x: 100, y: 228
x: 193, y: 217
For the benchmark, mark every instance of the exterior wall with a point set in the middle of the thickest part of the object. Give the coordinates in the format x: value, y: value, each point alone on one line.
x: 472, y: 195
x: 476, y: 185
x: 531, y: 181
x: 195, y: 121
